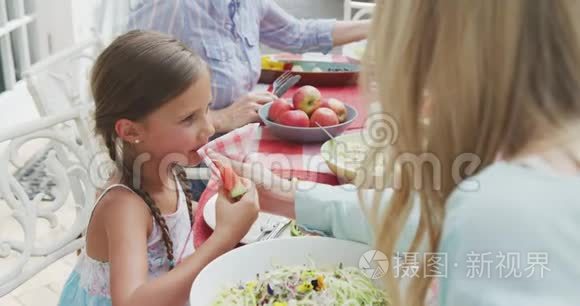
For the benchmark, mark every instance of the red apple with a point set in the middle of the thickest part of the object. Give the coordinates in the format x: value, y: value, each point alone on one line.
x: 324, y: 116
x: 294, y: 118
x: 279, y: 106
x: 307, y: 98
x: 337, y: 106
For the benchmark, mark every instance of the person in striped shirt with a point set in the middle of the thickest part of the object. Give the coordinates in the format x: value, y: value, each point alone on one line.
x: 227, y: 34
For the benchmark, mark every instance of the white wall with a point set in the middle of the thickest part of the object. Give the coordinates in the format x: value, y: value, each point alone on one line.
x: 313, y: 8
x: 85, y: 17
x: 54, y: 26
x: 310, y: 9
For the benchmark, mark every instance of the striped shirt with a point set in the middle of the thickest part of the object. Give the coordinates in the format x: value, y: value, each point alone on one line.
x: 228, y: 33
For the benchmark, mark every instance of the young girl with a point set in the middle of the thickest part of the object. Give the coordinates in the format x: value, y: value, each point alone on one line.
x: 504, y: 78
x: 152, y: 96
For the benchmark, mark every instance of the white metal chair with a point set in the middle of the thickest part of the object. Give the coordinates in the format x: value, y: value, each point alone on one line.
x: 59, y: 88
x: 73, y: 167
x: 61, y: 81
x: 362, y: 9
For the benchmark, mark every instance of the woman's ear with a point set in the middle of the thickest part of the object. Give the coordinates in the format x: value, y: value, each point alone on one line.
x: 129, y: 131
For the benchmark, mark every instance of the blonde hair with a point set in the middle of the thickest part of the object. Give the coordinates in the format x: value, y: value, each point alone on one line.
x: 501, y: 74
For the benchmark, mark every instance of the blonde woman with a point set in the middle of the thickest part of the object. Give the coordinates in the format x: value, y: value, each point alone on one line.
x: 504, y: 78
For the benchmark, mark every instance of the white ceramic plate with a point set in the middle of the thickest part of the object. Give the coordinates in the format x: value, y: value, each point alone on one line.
x: 254, y: 233
x: 243, y: 263
x: 346, y: 156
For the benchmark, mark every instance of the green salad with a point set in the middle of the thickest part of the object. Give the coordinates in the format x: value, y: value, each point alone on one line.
x: 301, y: 285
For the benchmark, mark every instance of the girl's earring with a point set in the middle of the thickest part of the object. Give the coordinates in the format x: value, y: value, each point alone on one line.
x: 137, y: 141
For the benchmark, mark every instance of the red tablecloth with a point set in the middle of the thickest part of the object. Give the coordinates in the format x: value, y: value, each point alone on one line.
x: 302, y: 161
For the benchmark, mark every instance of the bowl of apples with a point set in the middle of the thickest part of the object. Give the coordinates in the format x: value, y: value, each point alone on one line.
x: 296, y: 120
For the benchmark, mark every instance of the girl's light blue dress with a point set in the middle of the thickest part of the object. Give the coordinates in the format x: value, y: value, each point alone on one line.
x: 89, y: 282
x: 511, y: 234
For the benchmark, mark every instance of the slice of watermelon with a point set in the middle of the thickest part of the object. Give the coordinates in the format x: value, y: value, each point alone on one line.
x: 231, y: 181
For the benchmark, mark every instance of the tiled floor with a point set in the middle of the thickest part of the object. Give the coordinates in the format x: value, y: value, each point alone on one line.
x: 44, y: 288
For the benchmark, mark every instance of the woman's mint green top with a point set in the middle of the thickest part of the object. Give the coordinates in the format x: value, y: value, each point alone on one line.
x: 511, y: 235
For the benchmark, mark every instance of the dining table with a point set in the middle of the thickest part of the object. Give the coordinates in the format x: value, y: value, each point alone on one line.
x: 288, y: 160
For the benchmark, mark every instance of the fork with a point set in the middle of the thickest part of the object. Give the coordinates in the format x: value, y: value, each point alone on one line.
x: 280, y: 81
x: 282, y: 89
x: 278, y: 230
x: 267, y: 229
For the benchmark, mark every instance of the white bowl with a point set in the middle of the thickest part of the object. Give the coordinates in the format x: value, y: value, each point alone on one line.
x: 346, y: 171
x: 242, y: 264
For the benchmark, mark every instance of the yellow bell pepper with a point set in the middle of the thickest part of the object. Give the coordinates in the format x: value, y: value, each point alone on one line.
x: 269, y: 64
x: 320, y: 284
x: 304, y: 287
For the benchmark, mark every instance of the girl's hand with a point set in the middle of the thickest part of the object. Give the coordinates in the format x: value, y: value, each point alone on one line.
x: 275, y: 193
x: 234, y: 219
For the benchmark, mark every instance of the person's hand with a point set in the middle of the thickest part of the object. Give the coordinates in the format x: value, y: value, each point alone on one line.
x: 276, y: 194
x: 243, y: 111
x: 234, y: 219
